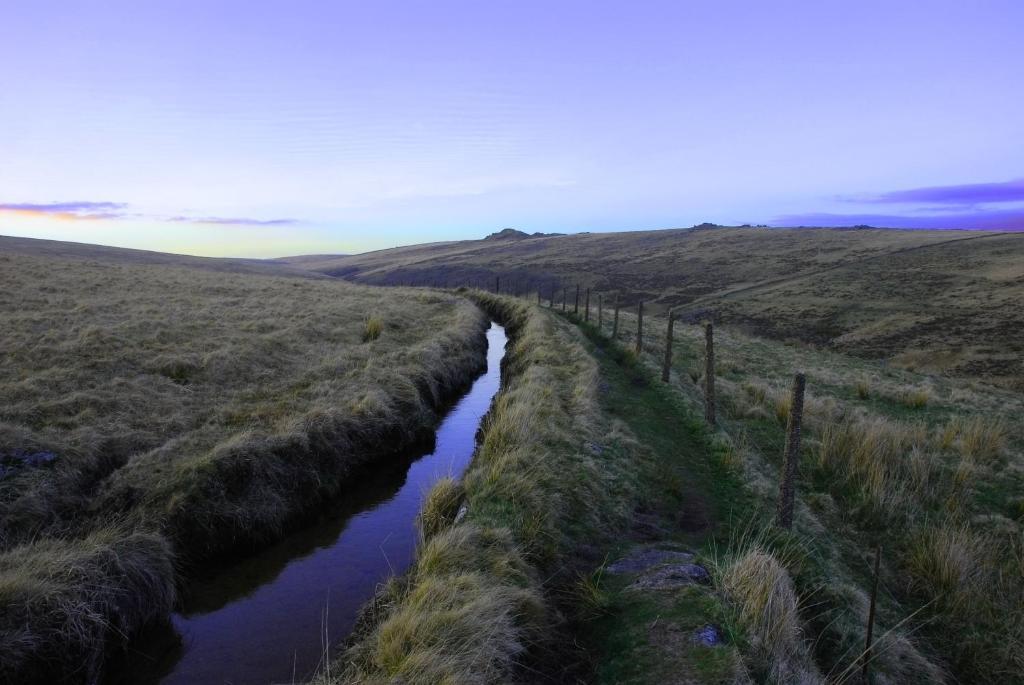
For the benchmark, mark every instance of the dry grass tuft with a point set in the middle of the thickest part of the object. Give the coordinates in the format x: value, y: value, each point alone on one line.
x: 373, y: 328
x: 950, y: 564
x: 783, y: 405
x: 882, y: 459
x: 862, y: 388
x: 982, y: 439
x: 441, y: 506
x: 470, y: 611
x: 916, y: 398
x: 63, y: 601
x: 761, y: 592
x: 764, y: 596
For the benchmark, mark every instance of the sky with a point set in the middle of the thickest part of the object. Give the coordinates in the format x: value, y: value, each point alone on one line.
x: 274, y: 128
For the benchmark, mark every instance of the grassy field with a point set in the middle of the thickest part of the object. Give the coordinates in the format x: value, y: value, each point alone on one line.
x: 156, y: 416
x: 941, y: 301
x: 930, y: 469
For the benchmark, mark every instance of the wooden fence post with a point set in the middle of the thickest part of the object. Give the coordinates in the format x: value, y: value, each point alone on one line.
x: 667, y: 367
x: 600, y: 311
x: 576, y: 305
x: 709, y: 373
x: 615, y: 321
x: 497, y: 284
x: 565, y: 294
x: 586, y: 310
x: 538, y: 297
x: 871, y: 617
x: 640, y: 328
x: 551, y: 302
x: 787, y: 487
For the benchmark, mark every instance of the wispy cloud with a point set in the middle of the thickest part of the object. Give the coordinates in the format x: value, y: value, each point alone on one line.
x: 93, y: 211
x: 233, y: 221
x: 68, y: 211
x: 1001, y: 220
x: 964, y: 194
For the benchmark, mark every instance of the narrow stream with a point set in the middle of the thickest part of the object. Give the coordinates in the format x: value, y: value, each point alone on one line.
x: 268, y: 618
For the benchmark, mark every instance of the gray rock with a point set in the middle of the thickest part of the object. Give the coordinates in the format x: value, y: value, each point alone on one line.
x: 645, y: 558
x: 672, y: 576
x: 708, y: 636
x: 11, y: 462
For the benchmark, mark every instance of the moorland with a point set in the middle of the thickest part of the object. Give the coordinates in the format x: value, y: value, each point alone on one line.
x: 941, y: 301
x: 605, y: 531
x: 160, y: 414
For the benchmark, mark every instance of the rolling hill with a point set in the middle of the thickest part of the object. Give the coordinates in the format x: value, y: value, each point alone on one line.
x: 940, y: 301
x: 57, y: 250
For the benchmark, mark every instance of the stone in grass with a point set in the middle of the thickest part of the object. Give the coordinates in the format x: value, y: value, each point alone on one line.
x: 708, y: 636
x: 645, y: 558
x: 11, y: 462
x: 672, y: 576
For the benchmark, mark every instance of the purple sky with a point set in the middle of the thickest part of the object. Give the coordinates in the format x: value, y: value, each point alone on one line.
x: 261, y: 129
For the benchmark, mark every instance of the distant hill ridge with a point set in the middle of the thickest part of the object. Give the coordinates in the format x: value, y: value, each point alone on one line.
x: 936, y: 300
x: 515, y: 234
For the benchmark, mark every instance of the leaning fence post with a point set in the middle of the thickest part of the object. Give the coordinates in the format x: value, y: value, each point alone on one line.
x: 640, y: 328
x: 709, y: 373
x: 586, y: 310
x: 667, y: 367
x: 576, y: 305
x: 787, y: 488
x: 615, y: 320
x: 600, y: 312
x: 871, y: 616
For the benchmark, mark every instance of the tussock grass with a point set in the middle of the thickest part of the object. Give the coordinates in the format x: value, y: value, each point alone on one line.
x: 465, y: 616
x: 916, y: 398
x: 982, y: 439
x: 783, y: 406
x: 374, y: 327
x: 63, y: 601
x: 950, y: 564
x: 763, y: 593
x: 751, y: 572
x: 441, y: 506
x: 879, y: 458
x: 590, y: 598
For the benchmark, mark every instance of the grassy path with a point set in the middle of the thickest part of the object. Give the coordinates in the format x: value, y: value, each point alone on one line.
x: 688, y: 499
